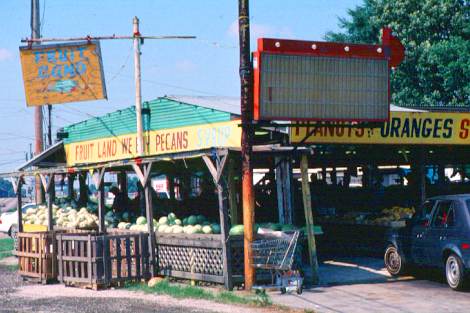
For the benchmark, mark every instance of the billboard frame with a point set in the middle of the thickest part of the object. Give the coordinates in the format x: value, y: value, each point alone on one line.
x: 391, y: 50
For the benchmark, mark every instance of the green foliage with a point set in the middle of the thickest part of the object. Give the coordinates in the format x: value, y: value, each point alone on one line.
x: 6, y: 188
x: 435, y: 33
x: 6, y: 247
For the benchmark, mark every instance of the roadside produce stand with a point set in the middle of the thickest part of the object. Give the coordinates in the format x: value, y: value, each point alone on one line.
x: 178, y: 135
x: 416, y: 145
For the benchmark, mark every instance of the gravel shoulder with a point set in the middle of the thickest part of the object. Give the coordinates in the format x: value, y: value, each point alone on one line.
x: 19, y: 296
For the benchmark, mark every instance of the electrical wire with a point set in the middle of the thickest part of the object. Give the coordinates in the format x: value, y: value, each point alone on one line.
x: 43, y: 14
x: 121, y: 68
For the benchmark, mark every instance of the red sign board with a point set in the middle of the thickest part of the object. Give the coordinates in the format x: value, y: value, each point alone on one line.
x: 309, y: 80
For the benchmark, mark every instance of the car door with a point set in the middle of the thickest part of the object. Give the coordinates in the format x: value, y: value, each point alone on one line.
x: 434, y: 240
x: 421, y: 223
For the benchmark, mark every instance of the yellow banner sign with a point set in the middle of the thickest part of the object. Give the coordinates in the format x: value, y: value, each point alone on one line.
x: 190, y: 138
x: 423, y: 128
x: 62, y: 73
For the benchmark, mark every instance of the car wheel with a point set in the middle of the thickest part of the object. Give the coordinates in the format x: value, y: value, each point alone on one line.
x: 393, y: 261
x: 455, y: 272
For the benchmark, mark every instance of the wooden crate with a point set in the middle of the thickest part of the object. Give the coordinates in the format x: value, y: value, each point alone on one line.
x: 102, y: 260
x: 37, y: 258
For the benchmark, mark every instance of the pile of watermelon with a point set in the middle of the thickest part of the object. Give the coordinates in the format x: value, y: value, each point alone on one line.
x: 193, y: 224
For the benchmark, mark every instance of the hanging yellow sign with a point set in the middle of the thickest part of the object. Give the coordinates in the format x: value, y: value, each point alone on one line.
x: 426, y: 128
x: 62, y: 73
x: 157, y: 142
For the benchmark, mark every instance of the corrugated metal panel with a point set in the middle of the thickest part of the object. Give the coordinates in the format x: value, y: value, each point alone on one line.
x: 165, y: 113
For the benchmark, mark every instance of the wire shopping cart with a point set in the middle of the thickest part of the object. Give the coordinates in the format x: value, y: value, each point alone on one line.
x: 275, y: 252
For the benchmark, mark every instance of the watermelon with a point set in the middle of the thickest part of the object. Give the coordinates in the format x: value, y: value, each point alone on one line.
x: 200, y: 218
x: 178, y: 222
x: 177, y: 229
x: 125, y: 217
x: 236, y: 230
x: 172, y: 216
x: 288, y: 227
x: 185, y: 221
x: 162, y: 228
x: 192, y: 220
x: 141, y: 220
x: 215, y: 228
x: 207, y: 229
x: 163, y: 220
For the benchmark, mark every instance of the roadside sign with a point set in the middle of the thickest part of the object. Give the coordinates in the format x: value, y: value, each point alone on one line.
x: 403, y: 128
x: 61, y: 73
x: 157, y: 142
x: 307, y: 80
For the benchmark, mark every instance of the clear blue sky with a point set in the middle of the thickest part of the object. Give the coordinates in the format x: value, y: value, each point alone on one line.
x: 205, y: 66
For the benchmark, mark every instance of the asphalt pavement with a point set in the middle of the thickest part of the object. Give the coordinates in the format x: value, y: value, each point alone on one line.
x: 362, y: 285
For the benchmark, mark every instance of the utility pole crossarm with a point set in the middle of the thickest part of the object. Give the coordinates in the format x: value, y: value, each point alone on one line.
x: 89, y: 38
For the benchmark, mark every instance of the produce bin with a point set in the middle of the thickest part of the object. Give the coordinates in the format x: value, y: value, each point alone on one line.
x: 195, y: 256
x: 102, y: 260
x: 37, y: 258
x: 200, y: 257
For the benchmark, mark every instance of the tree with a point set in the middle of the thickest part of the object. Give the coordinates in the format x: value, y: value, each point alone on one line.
x: 436, y: 36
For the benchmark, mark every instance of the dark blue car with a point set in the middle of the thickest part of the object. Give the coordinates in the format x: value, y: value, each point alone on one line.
x: 437, y: 236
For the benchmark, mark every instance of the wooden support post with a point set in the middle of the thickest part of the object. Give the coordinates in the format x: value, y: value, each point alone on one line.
x: 144, y: 178
x: 98, y: 179
x: 441, y: 174
x: 312, y: 250
x: 17, y: 184
x: 70, y: 180
x: 122, y: 182
x: 48, y: 185
x: 232, y: 192
x: 149, y: 211
x: 283, y: 184
x: 83, y: 197
x: 421, y: 166
x: 216, y: 172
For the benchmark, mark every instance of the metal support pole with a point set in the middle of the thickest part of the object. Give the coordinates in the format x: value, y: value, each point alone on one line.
x: 246, y: 82
x: 38, y: 131
x: 138, y: 89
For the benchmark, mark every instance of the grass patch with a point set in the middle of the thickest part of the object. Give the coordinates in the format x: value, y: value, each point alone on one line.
x: 6, y: 247
x: 12, y: 268
x: 184, y: 291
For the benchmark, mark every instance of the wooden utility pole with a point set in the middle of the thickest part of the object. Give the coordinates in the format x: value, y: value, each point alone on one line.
x: 246, y: 82
x: 138, y: 89
x: 38, y: 131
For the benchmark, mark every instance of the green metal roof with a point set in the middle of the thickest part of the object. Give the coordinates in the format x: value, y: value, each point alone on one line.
x: 164, y: 113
